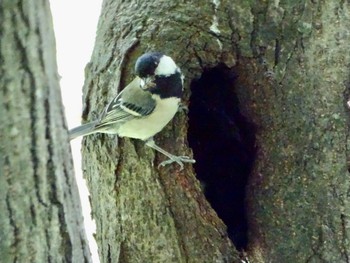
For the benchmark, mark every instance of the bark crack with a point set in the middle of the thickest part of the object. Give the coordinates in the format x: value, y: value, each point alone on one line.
x: 33, y: 212
x: 256, y: 12
x: 344, y: 234
x: 16, y: 232
x: 48, y: 242
x: 53, y: 193
x: 346, y: 95
x: 277, y: 51
x: 119, y: 165
x: 23, y: 15
x: 199, y: 59
x: 289, y: 58
x: 29, y: 76
x: 109, y: 254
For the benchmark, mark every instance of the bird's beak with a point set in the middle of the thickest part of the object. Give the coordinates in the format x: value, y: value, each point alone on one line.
x: 142, y: 83
x: 147, y: 83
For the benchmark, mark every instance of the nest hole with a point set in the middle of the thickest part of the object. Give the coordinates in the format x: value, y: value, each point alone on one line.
x: 223, y: 144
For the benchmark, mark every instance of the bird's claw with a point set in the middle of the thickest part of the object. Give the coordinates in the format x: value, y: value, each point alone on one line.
x: 179, y: 160
x: 183, y: 108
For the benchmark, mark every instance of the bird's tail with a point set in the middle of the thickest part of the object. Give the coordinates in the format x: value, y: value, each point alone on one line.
x: 82, y: 130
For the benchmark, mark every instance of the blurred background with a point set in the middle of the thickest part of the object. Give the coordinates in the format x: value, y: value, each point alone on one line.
x: 75, y: 24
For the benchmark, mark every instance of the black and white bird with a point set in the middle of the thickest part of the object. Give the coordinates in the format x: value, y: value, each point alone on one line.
x: 145, y: 106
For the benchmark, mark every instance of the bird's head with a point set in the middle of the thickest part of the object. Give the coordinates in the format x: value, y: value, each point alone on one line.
x: 154, y: 64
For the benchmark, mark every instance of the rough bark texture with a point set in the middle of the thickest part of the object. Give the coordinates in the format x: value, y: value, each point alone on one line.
x: 295, y: 91
x: 291, y: 60
x: 146, y: 214
x: 40, y: 217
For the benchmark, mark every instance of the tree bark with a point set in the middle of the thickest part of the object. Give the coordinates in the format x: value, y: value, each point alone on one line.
x: 290, y: 61
x: 298, y: 197
x: 144, y: 213
x: 40, y: 219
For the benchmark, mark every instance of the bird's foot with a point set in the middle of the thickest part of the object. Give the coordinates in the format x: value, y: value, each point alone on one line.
x: 177, y: 159
x: 183, y: 108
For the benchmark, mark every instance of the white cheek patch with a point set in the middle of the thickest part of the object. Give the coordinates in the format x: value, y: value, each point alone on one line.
x: 166, y: 67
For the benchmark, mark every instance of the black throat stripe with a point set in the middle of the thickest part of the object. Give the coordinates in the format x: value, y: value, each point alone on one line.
x: 167, y: 87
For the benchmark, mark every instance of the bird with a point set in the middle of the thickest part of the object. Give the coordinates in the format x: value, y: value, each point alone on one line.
x: 144, y: 107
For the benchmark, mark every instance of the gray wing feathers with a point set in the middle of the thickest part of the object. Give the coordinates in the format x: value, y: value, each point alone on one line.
x: 132, y: 102
x: 82, y: 130
x: 137, y: 99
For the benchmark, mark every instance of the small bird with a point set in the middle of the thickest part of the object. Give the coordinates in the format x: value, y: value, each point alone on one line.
x: 144, y: 106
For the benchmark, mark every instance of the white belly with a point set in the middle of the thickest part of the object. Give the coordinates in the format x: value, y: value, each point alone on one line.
x: 150, y: 125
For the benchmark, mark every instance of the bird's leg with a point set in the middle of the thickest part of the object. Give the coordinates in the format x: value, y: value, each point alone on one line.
x: 172, y: 158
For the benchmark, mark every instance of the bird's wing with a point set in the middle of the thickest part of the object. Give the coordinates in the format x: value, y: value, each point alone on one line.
x: 132, y: 102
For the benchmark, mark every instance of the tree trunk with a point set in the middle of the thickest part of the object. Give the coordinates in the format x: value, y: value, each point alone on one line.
x: 298, y: 193
x: 144, y: 213
x: 267, y: 114
x: 40, y: 217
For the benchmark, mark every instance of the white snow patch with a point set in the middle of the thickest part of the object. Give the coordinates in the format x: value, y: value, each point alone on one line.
x: 216, y: 3
x: 215, y: 25
x: 219, y: 43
